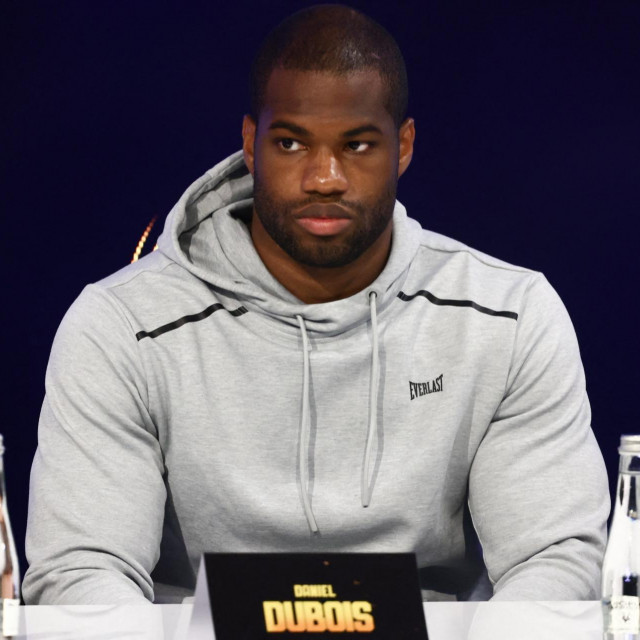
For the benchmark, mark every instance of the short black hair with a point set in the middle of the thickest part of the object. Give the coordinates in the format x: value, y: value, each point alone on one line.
x: 337, y: 39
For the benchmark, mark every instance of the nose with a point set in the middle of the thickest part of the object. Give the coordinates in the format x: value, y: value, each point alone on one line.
x: 324, y: 174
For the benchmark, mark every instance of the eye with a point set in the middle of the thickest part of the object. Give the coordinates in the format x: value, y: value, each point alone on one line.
x: 358, y: 146
x: 289, y: 144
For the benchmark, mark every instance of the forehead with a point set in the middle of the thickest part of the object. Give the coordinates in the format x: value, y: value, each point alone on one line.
x: 325, y: 96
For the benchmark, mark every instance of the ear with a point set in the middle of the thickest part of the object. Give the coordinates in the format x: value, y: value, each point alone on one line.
x: 406, y: 136
x: 248, y: 141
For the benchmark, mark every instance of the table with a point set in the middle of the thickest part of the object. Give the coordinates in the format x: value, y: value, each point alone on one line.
x: 445, y: 621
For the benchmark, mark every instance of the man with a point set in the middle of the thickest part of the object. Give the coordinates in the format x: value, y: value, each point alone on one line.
x: 300, y: 367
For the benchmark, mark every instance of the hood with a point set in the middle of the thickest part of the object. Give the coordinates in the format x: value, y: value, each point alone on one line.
x: 206, y: 233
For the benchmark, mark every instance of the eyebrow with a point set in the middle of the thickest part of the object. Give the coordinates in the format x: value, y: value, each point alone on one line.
x: 301, y: 131
x: 290, y: 126
x: 365, y: 128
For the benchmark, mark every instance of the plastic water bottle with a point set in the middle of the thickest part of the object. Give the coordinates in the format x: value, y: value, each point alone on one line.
x: 9, y: 571
x: 621, y: 569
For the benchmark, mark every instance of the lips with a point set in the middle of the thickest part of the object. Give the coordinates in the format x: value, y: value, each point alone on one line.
x: 323, y: 219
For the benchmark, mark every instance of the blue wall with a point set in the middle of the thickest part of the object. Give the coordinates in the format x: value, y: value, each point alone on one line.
x: 527, y: 149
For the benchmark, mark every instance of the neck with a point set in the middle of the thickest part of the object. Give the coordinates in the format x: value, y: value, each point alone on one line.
x: 314, y: 285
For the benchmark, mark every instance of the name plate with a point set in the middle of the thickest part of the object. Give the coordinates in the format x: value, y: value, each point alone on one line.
x: 288, y: 595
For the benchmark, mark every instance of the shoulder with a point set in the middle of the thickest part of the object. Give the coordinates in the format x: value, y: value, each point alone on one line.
x: 451, y: 270
x: 144, y: 295
x: 152, y: 269
x: 447, y: 250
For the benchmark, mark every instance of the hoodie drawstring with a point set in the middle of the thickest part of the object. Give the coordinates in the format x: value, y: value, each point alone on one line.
x: 366, y: 489
x: 305, y: 430
x: 366, y: 485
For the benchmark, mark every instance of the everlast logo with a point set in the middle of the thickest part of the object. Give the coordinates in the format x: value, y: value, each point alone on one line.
x: 425, y: 388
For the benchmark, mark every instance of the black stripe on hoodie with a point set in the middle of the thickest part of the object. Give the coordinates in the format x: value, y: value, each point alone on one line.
x: 196, y: 317
x: 456, y: 303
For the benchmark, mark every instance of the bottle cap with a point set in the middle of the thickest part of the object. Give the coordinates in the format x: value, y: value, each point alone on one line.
x: 629, y: 444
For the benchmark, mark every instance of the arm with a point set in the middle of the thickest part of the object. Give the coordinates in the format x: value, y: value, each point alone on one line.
x: 538, y: 491
x: 97, y: 495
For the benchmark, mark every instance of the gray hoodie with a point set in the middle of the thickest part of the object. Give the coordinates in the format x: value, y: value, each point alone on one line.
x: 194, y: 404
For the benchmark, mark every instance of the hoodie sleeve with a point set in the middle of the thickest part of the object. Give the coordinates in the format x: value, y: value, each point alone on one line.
x: 538, y: 489
x: 97, y: 495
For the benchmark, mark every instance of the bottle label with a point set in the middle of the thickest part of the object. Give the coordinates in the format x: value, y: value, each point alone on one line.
x: 10, y: 617
x: 624, y: 614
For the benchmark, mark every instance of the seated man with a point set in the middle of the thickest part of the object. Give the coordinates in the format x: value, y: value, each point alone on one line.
x: 301, y: 367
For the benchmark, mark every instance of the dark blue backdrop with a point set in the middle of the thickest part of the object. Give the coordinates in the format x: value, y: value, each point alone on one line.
x: 527, y: 148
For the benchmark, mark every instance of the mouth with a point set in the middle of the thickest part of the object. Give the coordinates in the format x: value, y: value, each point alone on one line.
x: 323, y: 219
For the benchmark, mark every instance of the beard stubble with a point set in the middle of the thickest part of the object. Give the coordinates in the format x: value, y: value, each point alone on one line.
x: 369, y: 221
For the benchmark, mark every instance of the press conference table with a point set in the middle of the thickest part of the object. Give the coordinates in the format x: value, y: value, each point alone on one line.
x: 445, y: 621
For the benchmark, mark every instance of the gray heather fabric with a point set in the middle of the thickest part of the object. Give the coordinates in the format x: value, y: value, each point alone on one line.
x: 172, y: 416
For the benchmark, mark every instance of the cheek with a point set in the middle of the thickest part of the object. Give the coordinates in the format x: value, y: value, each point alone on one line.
x: 273, y: 182
x: 279, y: 182
x: 373, y: 178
